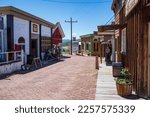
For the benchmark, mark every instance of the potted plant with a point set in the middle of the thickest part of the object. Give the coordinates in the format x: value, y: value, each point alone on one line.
x: 124, y: 83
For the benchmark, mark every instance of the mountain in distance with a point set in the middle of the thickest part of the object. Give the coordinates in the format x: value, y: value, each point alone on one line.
x: 65, y: 42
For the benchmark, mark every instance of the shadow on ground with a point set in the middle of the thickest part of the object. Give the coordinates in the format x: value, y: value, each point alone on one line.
x: 48, y: 63
x: 109, y: 64
x: 132, y: 97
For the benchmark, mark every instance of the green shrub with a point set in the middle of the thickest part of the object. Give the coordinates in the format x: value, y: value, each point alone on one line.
x: 125, y: 77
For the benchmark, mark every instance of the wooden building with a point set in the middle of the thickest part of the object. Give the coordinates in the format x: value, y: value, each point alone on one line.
x: 22, y: 30
x: 25, y: 31
x: 90, y: 44
x: 132, y: 41
x: 87, y: 44
x: 96, y: 43
x: 104, y: 39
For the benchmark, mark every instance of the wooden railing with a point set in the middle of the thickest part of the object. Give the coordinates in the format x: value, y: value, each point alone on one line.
x: 8, y: 57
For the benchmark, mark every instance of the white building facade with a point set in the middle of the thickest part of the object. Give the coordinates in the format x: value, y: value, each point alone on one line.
x: 21, y: 31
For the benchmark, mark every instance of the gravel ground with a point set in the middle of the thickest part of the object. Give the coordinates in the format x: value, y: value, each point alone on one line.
x: 72, y: 79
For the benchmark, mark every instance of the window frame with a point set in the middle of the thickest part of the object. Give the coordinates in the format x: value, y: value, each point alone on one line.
x: 124, y: 41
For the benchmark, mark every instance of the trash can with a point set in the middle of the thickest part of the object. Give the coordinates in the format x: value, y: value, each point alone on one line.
x: 117, y: 67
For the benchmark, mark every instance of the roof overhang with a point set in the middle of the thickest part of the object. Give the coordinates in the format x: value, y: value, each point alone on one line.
x: 58, y: 25
x: 10, y: 10
x: 105, y: 33
x: 106, y: 43
x: 113, y: 4
x: 87, y: 36
x: 109, y: 27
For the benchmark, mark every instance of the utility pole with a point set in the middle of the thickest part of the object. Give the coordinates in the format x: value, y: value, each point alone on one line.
x: 71, y: 22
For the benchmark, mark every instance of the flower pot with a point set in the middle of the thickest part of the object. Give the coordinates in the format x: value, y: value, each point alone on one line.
x: 124, y: 89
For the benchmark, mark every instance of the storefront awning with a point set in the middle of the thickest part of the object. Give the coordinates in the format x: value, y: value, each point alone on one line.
x: 108, y: 27
x: 105, y: 33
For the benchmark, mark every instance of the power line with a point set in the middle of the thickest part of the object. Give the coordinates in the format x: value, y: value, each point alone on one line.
x: 110, y: 20
x: 67, y: 2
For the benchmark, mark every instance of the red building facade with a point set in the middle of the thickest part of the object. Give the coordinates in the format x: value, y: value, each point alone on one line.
x: 58, y: 34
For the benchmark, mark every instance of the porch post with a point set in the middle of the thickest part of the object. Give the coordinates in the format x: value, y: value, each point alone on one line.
x: 15, y: 58
x: 7, y: 57
x: 22, y: 56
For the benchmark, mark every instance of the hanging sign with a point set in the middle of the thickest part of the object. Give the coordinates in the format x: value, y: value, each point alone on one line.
x: 130, y: 4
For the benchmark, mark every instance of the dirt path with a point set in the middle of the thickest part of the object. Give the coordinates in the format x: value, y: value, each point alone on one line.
x: 75, y: 78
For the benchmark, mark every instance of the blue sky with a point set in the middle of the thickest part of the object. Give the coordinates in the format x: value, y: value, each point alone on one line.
x: 89, y: 16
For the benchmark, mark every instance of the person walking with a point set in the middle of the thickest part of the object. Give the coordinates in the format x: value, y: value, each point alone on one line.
x: 108, y: 54
x: 58, y: 52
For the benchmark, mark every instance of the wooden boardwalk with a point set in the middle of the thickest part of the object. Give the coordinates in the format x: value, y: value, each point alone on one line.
x: 106, y: 87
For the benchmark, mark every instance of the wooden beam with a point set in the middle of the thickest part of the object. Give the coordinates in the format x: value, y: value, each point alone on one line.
x: 108, y: 27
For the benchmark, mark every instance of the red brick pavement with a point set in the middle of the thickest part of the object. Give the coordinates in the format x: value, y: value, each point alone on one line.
x: 75, y: 78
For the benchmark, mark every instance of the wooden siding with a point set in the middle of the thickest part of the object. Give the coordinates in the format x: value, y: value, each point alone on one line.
x: 119, y: 19
x: 136, y: 58
x: 137, y: 50
x: 117, y: 39
x: 149, y: 59
x: 132, y: 41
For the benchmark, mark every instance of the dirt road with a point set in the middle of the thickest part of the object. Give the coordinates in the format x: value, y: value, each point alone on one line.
x: 72, y: 79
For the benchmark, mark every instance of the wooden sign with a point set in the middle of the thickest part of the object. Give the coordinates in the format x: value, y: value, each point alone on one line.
x: 130, y: 4
x: 35, y: 28
x: 37, y: 62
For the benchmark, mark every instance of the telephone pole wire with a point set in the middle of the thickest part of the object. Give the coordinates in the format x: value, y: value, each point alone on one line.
x: 71, y: 22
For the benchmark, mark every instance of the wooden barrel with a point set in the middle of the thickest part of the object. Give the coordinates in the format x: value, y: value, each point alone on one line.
x: 124, y: 89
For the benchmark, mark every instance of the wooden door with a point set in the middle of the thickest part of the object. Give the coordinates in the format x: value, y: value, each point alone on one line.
x: 149, y: 60
x: 34, y: 49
